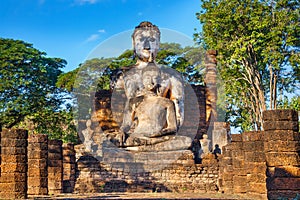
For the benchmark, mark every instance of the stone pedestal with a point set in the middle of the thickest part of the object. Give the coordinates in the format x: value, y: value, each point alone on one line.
x: 55, y: 167
x: 37, y: 164
x: 13, y: 180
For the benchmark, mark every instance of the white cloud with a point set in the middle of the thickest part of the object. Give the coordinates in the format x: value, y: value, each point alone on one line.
x: 101, y: 31
x: 93, y: 37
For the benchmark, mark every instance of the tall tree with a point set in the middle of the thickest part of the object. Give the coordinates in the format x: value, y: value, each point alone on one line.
x: 258, y: 45
x: 27, y: 89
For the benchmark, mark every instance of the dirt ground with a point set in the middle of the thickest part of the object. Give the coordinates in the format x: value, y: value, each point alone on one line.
x: 144, y: 196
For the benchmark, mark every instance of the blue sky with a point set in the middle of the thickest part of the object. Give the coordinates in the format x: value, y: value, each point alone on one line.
x: 72, y: 29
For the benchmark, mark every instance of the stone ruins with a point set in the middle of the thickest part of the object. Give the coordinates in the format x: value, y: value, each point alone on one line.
x: 145, y: 136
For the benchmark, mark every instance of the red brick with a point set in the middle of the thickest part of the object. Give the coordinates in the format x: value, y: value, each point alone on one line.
x: 12, y: 142
x: 14, y: 187
x: 284, y: 171
x: 37, y: 172
x: 253, y: 136
x: 257, y: 187
x: 282, y: 146
x: 37, y: 154
x: 37, y: 146
x: 13, y: 167
x: 280, y: 115
x: 252, y: 146
x: 280, y: 194
x: 13, y: 177
x: 255, y: 156
x: 37, y: 191
x: 283, y: 183
x: 13, y: 151
x: 281, y: 125
x: 13, y: 158
x: 38, y: 138
x: 14, y: 133
x: 282, y: 158
x: 236, y: 137
x: 37, y: 182
x: 282, y: 135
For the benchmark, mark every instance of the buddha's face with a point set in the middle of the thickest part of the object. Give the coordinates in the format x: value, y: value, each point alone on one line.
x: 146, y: 44
x: 151, y: 79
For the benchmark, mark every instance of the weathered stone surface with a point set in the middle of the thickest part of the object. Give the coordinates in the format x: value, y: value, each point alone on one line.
x: 280, y: 115
x: 13, y: 195
x: 38, y: 172
x: 12, y: 177
x: 236, y: 137
x: 257, y: 187
x: 284, y: 171
x: 282, y: 194
x: 253, y: 146
x: 37, y: 163
x: 252, y: 136
x: 38, y: 182
x: 255, y: 156
x: 282, y: 135
x: 38, y: 138
x: 14, y: 187
x: 12, y: 142
x: 282, y: 146
x: 283, y: 183
x: 13, y: 150
x: 281, y: 125
x: 37, y: 146
x: 14, y: 133
x: 37, y: 191
x: 174, y: 143
x: 37, y: 154
x: 257, y: 178
x: 283, y: 158
x: 13, y: 158
x: 14, y: 167
x: 55, y: 143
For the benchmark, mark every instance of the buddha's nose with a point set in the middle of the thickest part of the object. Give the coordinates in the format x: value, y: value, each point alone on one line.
x: 147, y: 45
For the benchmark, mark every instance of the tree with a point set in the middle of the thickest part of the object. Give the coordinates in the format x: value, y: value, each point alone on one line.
x: 258, y: 45
x: 27, y: 90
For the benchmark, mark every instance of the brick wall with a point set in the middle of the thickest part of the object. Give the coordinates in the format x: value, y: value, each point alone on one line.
x: 180, y: 176
x: 265, y: 163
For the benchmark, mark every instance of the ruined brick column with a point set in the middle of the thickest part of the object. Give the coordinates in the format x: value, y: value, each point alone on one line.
x: 37, y: 164
x: 282, y: 149
x: 211, y: 90
x: 210, y: 82
x: 69, y: 170
x: 13, y: 180
x: 55, y: 167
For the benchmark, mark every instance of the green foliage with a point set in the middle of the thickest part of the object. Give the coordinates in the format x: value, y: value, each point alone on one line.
x: 28, y: 91
x: 258, y: 46
x: 293, y: 103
